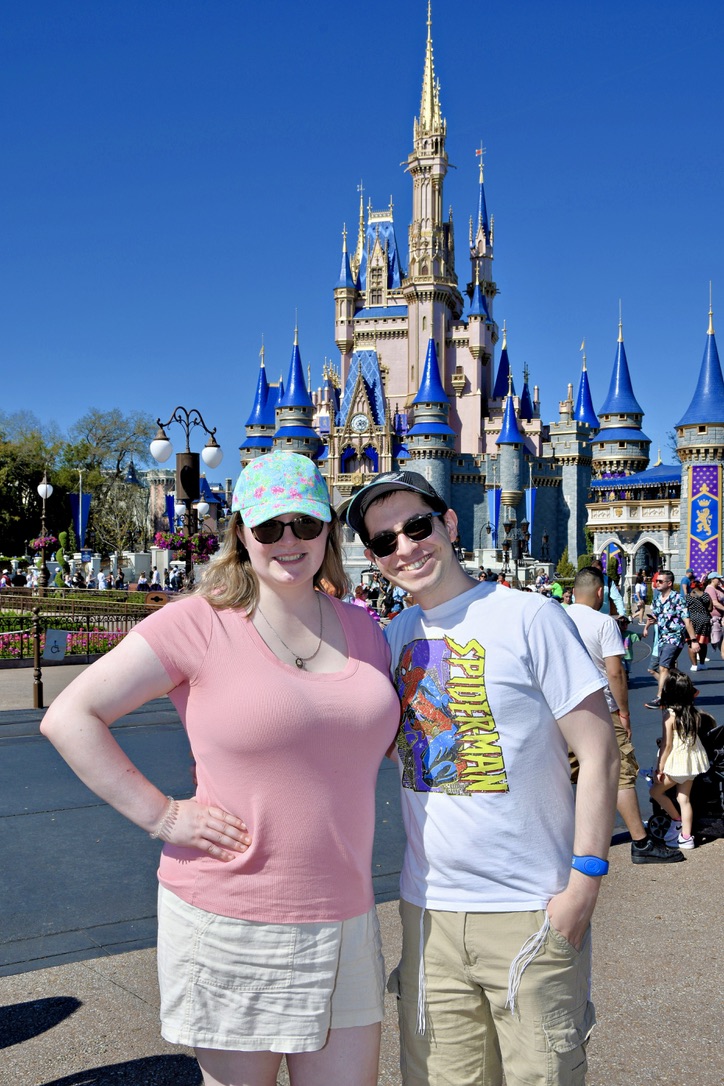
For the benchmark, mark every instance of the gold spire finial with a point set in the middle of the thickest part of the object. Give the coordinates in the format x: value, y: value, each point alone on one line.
x: 658, y: 462
x: 309, y: 377
x: 430, y: 118
x: 711, y: 314
x: 510, y: 382
x: 296, y: 328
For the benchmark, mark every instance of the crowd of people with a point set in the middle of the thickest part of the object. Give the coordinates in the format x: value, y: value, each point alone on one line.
x: 490, y: 701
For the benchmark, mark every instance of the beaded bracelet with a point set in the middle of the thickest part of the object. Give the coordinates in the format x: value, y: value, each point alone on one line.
x: 168, y: 820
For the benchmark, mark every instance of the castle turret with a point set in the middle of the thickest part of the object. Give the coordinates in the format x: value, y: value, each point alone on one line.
x: 261, y: 424
x: 295, y: 411
x: 431, y: 439
x: 620, y: 448
x: 700, y: 447
x: 345, y: 295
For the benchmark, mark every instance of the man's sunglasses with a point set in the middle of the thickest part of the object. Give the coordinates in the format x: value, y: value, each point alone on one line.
x: 271, y: 531
x: 416, y: 528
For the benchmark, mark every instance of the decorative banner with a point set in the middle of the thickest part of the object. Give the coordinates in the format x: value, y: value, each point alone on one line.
x: 494, y: 512
x: 170, y: 511
x: 530, y: 507
x: 80, y: 523
x: 704, y: 519
x: 55, y: 642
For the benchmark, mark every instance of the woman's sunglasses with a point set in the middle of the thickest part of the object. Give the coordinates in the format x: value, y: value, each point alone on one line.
x: 416, y: 528
x: 271, y: 531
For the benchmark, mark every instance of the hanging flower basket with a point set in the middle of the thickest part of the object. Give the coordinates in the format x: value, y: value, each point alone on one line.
x: 198, y: 548
x: 43, y: 541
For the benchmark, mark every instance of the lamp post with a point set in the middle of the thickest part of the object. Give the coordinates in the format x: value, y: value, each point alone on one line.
x: 187, y: 466
x: 44, y: 490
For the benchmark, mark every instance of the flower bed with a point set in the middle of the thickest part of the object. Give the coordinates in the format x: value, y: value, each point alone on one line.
x: 18, y: 645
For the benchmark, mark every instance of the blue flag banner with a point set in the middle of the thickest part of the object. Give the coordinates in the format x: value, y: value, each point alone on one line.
x: 170, y: 510
x: 530, y: 507
x: 80, y: 517
x: 494, y: 512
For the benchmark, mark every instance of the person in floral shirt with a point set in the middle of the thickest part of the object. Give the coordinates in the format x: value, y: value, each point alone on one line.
x: 670, y: 613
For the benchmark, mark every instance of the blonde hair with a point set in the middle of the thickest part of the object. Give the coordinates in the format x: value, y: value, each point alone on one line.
x: 229, y: 580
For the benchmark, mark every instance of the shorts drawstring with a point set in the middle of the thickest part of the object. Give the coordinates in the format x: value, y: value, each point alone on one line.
x: 421, y: 979
x: 532, y: 946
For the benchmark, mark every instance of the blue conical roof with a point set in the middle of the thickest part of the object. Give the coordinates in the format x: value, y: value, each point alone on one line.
x: 509, y: 433
x: 478, y: 305
x: 431, y: 389
x: 525, y: 408
x: 482, y: 208
x: 501, y: 380
x: 620, y: 399
x: 345, y: 272
x: 707, y: 406
x: 584, y: 411
x: 259, y: 413
x: 297, y: 393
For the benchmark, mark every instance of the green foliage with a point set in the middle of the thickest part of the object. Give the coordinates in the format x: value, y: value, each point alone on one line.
x: 565, y: 570
x: 60, y: 559
x: 612, y: 569
x: 584, y: 560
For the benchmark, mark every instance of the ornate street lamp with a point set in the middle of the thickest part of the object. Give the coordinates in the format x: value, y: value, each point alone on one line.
x: 44, y: 490
x: 187, y: 466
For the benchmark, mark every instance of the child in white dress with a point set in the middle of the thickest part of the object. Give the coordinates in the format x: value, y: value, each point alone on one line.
x: 681, y: 753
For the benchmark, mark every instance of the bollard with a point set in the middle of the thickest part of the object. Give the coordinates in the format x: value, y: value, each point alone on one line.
x: 37, y: 673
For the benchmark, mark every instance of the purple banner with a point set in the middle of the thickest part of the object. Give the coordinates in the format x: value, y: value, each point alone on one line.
x: 704, y: 519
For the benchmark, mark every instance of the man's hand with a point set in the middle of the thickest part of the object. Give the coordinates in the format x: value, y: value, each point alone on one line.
x: 570, y: 911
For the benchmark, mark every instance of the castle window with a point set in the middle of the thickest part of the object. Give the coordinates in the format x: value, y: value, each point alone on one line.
x: 375, y: 297
x: 424, y: 324
x: 622, y: 444
x: 702, y: 429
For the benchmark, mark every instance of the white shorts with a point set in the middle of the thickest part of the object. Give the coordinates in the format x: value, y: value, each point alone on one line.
x: 246, y: 986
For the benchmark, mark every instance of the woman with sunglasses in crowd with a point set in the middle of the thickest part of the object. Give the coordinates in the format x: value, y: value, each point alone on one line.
x: 268, y: 937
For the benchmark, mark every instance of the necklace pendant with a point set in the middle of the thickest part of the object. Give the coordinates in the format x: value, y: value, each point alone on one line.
x: 300, y: 663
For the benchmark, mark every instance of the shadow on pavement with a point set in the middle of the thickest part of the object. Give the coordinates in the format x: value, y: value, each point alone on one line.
x: 21, y: 1021
x: 151, y: 1071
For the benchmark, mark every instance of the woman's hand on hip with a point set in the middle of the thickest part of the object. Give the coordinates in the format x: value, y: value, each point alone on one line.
x: 209, y: 829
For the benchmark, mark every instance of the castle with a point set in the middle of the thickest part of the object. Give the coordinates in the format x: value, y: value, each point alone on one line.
x: 418, y: 386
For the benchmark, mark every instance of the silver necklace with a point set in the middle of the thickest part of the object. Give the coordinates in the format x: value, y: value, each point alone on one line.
x: 300, y: 661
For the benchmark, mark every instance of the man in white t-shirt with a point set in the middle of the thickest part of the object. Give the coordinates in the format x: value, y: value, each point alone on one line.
x: 601, y: 635
x: 501, y: 872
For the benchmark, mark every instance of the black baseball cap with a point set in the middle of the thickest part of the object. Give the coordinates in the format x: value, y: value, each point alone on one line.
x: 385, y: 484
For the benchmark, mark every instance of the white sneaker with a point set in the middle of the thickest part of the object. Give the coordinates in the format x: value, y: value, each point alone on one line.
x: 693, y: 668
x: 685, y: 842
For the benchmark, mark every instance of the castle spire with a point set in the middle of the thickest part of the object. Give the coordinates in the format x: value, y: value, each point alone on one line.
x: 345, y: 272
x: 430, y: 119
x: 707, y: 405
x: 431, y: 388
x: 509, y: 432
x: 620, y: 399
x: 504, y: 372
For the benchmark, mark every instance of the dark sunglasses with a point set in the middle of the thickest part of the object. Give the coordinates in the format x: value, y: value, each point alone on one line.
x: 271, y: 531
x: 416, y: 528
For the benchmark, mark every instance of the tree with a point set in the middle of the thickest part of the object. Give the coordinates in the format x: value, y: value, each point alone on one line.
x: 27, y: 450
x: 120, y: 519
x: 109, y: 440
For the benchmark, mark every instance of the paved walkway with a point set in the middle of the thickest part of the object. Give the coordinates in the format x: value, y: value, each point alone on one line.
x: 78, y: 999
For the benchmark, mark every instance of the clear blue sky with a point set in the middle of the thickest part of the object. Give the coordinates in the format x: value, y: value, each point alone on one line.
x: 176, y: 175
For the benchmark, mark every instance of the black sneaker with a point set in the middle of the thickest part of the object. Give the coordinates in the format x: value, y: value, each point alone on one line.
x: 655, y: 704
x: 655, y: 852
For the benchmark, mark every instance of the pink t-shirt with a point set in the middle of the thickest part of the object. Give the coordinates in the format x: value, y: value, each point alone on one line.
x: 293, y: 753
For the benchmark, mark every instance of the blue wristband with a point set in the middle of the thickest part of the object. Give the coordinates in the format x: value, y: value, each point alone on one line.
x: 590, y: 865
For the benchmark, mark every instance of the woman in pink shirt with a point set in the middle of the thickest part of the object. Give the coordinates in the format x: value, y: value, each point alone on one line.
x: 268, y: 937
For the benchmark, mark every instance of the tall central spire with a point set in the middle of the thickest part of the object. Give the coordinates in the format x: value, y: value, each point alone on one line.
x: 430, y: 120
